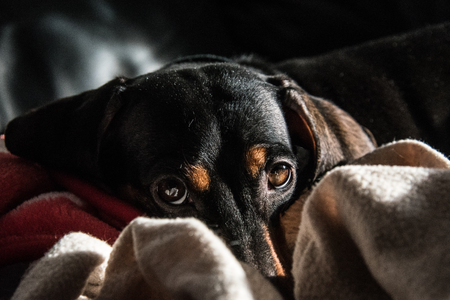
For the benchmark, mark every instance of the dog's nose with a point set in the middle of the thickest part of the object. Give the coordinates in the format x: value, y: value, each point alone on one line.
x: 256, y: 248
x: 244, y: 228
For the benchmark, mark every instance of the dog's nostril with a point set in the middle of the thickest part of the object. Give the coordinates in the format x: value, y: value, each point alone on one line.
x: 214, y: 227
x: 220, y: 233
x: 234, y: 243
x: 217, y: 230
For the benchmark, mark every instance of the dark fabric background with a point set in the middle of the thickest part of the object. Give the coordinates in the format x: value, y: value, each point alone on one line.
x: 51, y: 49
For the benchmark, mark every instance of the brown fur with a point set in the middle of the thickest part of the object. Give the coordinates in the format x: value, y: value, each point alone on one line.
x: 256, y: 158
x: 198, y: 177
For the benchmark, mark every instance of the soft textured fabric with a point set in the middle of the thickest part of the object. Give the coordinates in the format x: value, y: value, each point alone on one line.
x: 374, y: 229
x: 38, y: 207
x: 152, y: 259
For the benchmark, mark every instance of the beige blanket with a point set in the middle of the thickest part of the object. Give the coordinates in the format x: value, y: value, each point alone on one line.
x: 376, y: 229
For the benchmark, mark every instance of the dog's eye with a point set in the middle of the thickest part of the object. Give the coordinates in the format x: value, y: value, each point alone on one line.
x: 280, y: 175
x: 172, y: 191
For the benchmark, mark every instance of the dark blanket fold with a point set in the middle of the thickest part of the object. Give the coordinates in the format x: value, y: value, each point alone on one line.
x: 38, y: 207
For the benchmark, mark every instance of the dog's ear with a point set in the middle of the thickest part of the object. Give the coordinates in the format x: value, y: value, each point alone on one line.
x: 66, y: 133
x: 321, y: 127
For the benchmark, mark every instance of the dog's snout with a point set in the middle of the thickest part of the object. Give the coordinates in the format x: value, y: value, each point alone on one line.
x: 252, y: 244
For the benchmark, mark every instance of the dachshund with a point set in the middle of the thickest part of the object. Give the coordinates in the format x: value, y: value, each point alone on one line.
x: 234, y: 142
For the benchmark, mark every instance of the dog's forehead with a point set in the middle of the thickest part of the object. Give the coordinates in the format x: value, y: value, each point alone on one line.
x: 236, y: 97
x: 201, y: 108
x: 230, y: 75
x: 227, y: 90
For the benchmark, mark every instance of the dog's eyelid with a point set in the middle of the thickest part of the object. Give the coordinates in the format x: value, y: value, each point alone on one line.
x: 281, y: 156
x: 271, y: 163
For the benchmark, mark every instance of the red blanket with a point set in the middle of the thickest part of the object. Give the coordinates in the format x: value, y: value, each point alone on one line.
x: 39, y: 206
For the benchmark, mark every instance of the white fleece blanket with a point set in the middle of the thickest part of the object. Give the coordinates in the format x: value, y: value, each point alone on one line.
x: 376, y: 229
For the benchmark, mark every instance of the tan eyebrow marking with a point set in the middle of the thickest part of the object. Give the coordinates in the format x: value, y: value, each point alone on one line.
x: 255, y: 159
x: 199, y: 177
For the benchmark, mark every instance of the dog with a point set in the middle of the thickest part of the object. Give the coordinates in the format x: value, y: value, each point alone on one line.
x: 204, y: 137
x: 232, y: 142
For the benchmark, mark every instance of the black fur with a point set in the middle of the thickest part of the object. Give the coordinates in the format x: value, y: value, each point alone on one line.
x: 397, y: 87
x: 131, y: 134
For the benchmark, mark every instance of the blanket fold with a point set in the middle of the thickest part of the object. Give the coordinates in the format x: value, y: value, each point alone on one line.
x: 378, y: 231
x: 74, y: 266
x: 152, y: 259
x: 39, y: 206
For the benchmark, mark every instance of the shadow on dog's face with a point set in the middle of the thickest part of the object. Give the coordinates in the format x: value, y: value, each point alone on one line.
x: 215, y: 140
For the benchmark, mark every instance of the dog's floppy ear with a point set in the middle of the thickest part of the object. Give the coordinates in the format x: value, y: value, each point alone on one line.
x: 328, y: 132
x: 65, y: 133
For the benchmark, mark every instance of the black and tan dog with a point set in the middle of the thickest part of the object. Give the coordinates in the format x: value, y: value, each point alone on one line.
x: 233, y: 142
x: 204, y: 137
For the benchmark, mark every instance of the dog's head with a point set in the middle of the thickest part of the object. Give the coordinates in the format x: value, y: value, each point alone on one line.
x: 203, y: 137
